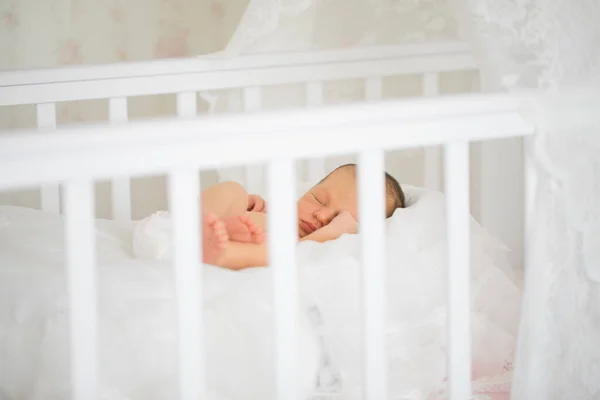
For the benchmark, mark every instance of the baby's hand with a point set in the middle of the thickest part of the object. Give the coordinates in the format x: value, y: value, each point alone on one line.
x: 256, y: 203
x: 344, y: 222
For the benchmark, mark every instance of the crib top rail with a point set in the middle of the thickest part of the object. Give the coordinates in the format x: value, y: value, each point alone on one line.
x: 221, y: 72
x: 143, y: 147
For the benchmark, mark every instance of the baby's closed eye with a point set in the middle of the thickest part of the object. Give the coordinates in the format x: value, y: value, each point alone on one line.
x: 318, y: 199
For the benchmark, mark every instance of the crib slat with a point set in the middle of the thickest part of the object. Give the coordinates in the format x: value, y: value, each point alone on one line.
x: 433, y: 155
x: 186, y: 104
x: 183, y: 199
x: 50, y: 194
x: 373, y: 89
x: 283, y: 233
x: 530, y: 181
x: 254, y: 175
x: 252, y: 99
x: 530, y: 188
x: 316, y: 167
x: 371, y: 202
x: 120, y: 187
x: 314, y: 94
x: 371, y: 209
x: 236, y: 174
x: 458, y: 221
x: 80, y: 251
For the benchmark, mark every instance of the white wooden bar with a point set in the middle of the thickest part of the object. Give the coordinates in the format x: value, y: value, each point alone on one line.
x: 186, y: 104
x: 244, y: 62
x: 49, y: 193
x: 120, y: 187
x: 373, y: 89
x: 184, y: 190
x: 184, y: 198
x: 80, y: 251
x: 315, y: 167
x: 236, y: 174
x: 314, y: 94
x: 214, y: 73
x: 431, y: 84
x: 458, y: 233
x: 283, y: 235
x: 252, y: 98
x: 151, y: 156
x: 74, y: 151
x: 433, y: 155
x: 401, y: 111
x: 371, y: 202
x: 226, y: 79
x: 530, y: 182
x: 254, y: 175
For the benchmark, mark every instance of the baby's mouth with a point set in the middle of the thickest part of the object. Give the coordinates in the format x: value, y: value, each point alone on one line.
x: 307, y: 227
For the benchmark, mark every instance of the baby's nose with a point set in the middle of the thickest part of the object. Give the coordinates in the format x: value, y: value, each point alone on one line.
x: 324, y: 216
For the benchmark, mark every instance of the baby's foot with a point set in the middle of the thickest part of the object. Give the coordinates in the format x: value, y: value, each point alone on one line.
x: 241, y: 228
x: 214, y: 238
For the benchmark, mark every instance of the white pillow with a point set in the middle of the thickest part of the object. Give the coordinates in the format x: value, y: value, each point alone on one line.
x: 413, y: 194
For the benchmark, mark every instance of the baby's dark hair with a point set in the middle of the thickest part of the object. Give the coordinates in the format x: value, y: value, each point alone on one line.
x: 394, y: 192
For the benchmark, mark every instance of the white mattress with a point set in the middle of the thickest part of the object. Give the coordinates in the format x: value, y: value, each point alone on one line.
x: 137, y: 311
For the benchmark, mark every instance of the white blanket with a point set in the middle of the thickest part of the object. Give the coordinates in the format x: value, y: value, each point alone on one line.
x: 137, y: 311
x: 137, y: 319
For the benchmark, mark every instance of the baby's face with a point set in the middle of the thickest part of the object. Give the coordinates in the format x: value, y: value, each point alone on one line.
x: 324, y: 201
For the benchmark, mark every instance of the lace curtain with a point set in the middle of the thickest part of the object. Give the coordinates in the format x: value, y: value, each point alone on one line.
x: 547, y: 45
x: 552, y: 46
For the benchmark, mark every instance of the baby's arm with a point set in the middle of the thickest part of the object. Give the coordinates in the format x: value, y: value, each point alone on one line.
x: 322, y: 235
x: 343, y: 223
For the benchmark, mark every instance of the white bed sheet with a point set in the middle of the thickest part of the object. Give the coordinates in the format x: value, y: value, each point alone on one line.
x: 137, y: 311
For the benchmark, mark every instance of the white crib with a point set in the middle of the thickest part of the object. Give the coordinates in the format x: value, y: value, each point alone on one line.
x: 65, y: 161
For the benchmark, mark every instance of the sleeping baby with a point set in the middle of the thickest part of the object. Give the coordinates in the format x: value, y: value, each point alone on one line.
x: 234, y: 222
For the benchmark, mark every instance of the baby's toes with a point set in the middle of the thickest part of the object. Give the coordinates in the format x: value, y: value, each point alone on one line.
x: 221, y: 236
x: 214, y: 239
x: 209, y: 218
x: 258, y: 235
